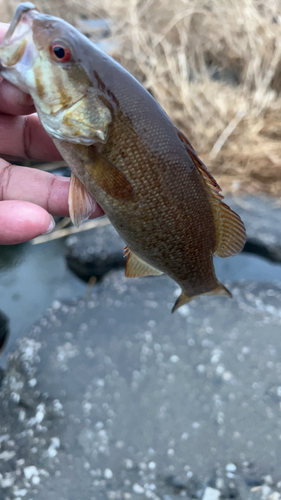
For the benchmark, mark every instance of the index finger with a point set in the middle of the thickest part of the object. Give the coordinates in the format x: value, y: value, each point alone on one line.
x: 35, y: 186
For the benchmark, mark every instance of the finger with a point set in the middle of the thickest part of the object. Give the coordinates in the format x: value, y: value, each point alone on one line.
x: 42, y: 188
x: 12, y: 100
x: 24, y: 137
x: 21, y: 221
x: 3, y: 28
x: 21, y: 136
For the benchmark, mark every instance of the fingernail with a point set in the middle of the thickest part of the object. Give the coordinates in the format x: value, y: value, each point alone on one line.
x: 51, y: 226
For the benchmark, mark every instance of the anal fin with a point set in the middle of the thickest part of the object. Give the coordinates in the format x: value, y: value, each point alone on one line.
x: 184, y: 299
x: 81, y: 204
x: 136, y: 267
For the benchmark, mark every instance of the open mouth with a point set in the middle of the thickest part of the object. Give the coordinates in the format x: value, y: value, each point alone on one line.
x: 15, y: 41
x: 20, y: 15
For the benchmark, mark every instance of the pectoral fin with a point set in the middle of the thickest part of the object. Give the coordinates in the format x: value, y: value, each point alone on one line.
x: 136, y: 267
x: 109, y: 177
x: 81, y: 204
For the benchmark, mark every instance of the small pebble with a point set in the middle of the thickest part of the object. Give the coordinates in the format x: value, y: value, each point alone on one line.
x: 137, y: 488
x: 174, y: 358
x: 30, y: 471
x: 108, y: 474
x: 230, y: 467
x: 129, y: 463
x: 274, y: 496
x: 7, y: 455
x: 211, y: 494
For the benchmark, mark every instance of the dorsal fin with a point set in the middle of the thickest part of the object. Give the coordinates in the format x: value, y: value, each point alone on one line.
x: 209, y: 179
x: 230, y: 230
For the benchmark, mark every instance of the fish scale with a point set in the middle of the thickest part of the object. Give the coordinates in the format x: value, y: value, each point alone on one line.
x: 124, y: 152
x: 181, y: 235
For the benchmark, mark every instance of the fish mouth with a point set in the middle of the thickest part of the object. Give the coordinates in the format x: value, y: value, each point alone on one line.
x: 15, y: 41
x: 22, y: 8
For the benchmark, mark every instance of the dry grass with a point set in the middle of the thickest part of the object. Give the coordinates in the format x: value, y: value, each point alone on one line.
x: 214, y: 66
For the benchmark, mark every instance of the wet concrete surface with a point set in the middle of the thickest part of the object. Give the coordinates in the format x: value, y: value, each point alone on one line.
x: 114, y: 397
x: 95, y: 405
x: 261, y: 217
x: 31, y: 277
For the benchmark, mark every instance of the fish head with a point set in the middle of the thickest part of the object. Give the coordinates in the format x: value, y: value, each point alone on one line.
x: 47, y: 58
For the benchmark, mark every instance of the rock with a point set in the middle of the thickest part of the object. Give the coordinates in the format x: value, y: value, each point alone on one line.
x: 4, y: 330
x: 261, y: 216
x: 93, y: 396
x: 95, y: 252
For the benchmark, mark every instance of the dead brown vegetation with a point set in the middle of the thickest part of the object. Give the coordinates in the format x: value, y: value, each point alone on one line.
x: 213, y: 65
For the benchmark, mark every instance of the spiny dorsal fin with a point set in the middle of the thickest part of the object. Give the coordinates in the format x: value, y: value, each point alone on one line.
x: 81, y: 204
x: 208, y: 178
x: 230, y: 230
x: 136, y: 267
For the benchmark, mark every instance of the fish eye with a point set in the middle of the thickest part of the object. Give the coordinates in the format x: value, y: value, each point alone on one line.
x: 60, y: 53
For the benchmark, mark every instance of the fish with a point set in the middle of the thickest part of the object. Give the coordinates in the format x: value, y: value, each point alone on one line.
x: 124, y: 152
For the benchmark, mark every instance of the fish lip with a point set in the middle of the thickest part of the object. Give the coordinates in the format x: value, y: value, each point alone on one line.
x: 16, y: 38
x: 22, y: 8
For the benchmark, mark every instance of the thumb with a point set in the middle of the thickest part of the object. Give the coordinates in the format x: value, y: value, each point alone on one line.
x: 22, y: 221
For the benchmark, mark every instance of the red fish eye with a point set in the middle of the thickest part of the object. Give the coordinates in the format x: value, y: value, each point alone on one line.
x: 62, y: 54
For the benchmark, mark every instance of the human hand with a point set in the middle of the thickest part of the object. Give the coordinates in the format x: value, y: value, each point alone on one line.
x: 27, y: 196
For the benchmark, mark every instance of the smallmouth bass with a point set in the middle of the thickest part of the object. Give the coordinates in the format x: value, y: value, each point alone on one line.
x: 124, y: 152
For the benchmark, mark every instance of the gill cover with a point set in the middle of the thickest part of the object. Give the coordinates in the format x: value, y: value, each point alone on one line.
x: 86, y: 122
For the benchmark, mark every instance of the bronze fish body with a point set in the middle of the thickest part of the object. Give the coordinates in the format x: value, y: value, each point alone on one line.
x: 125, y: 152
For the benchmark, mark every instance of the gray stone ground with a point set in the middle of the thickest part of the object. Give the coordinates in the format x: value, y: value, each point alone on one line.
x: 261, y: 217
x: 96, y: 405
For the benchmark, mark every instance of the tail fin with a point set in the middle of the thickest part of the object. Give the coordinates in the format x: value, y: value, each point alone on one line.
x: 184, y: 299
x: 181, y: 300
